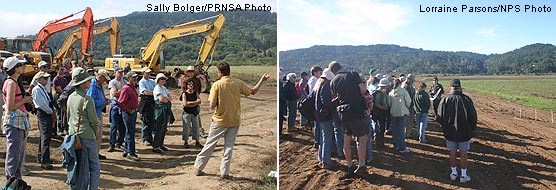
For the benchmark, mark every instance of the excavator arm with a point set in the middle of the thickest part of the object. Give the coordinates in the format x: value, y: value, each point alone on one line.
x: 60, y: 25
x: 152, y: 52
x: 76, y: 35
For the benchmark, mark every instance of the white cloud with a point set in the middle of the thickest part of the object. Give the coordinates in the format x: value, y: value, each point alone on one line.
x: 15, y: 23
x: 487, y: 31
x: 348, y: 22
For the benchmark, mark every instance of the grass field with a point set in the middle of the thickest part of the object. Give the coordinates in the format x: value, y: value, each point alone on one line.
x: 536, y: 92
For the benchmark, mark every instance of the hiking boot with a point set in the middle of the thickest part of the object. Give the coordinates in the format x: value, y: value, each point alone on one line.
x: 226, y: 176
x: 464, y: 179
x: 453, y: 176
x: 351, y: 170
x: 199, y: 173
x: 164, y: 148
x: 46, y: 166
x: 157, y: 150
x: 124, y: 154
x: 133, y: 157
x: 361, y: 170
x: 185, y: 144
x: 198, y: 145
x: 111, y: 149
x: 101, y: 157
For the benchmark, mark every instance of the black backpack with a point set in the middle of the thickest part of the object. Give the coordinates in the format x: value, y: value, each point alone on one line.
x: 307, y: 107
x: 16, y: 184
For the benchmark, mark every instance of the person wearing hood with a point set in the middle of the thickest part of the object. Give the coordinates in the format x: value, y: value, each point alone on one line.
x: 399, y: 102
x: 324, y: 109
x: 291, y: 98
x: 458, y: 118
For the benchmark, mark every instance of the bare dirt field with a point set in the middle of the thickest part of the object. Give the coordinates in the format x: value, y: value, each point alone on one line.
x: 508, y: 152
x: 254, y: 154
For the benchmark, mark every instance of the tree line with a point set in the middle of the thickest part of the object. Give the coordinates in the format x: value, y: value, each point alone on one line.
x: 530, y: 59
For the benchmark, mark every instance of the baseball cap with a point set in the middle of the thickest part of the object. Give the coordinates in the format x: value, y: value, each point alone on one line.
x: 131, y: 74
x: 190, y: 68
x: 146, y: 70
x: 104, y: 73
x: 43, y: 63
x: 11, y: 62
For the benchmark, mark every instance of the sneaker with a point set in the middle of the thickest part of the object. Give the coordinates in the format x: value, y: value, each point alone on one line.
x: 46, y: 166
x: 406, y: 150
x: 199, y: 173
x: 25, y: 172
x: 198, y: 145
x: 101, y: 157
x: 226, y: 176
x: 453, y: 176
x: 147, y: 143
x: 328, y: 166
x: 164, y: 148
x: 464, y: 179
x: 361, y: 170
x: 133, y: 157
x: 111, y: 149
x: 157, y: 150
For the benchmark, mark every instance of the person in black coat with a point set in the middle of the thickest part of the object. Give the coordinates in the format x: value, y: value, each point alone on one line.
x: 291, y: 98
x: 458, y: 118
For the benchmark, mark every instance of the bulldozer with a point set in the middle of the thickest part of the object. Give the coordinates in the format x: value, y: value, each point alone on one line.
x: 151, y: 55
x: 23, y: 46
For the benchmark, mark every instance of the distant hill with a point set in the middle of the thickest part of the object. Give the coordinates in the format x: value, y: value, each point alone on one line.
x: 535, y: 58
x: 247, y: 37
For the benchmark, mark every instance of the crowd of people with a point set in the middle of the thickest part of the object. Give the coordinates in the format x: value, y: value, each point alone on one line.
x: 73, y: 102
x: 348, y: 106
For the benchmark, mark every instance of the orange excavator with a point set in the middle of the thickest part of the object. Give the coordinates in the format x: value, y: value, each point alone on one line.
x: 39, y: 46
x: 66, y: 49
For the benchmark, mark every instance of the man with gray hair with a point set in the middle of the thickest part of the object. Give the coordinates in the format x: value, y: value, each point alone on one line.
x: 96, y: 91
x: 291, y: 98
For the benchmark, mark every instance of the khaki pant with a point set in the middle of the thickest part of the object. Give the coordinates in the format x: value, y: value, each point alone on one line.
x: 215, y: 133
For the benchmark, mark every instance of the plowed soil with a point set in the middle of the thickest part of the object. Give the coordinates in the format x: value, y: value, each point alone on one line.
x: 508, y: 152
x: 254, y: 153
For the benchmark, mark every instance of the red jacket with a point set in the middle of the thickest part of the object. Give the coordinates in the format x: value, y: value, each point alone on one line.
x: 129, y: 99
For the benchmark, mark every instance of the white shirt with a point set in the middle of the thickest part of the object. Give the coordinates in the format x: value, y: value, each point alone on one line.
x: 116, y: 84
x: 160, y: 90
x: 312, y: 82
x: 41, y: 99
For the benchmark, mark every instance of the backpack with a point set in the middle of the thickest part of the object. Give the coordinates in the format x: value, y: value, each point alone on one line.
x: 62, y: 99
x: 307, y: 107
x: 16, y: 184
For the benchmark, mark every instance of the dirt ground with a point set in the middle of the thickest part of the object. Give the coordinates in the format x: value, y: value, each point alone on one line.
x: 508, y: 153
x: 254, y: 154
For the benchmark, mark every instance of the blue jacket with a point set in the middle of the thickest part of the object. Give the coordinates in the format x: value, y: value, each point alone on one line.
x: 97, y: 93
x: 75, y: 169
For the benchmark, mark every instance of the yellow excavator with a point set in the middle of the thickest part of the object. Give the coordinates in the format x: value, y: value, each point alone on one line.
x: 66, y: 49
x: 150, y: 56
x: 24, y: 47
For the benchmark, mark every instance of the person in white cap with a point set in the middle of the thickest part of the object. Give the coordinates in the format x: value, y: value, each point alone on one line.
x: 225, y: 95
x: 291, y: 97
x: 45, y: 116
x: 324, y: 118
x: 96, y: 91
x: 17, y: 126
x: 146, y: 106
x: 162, y: 113
x: 43, y: 66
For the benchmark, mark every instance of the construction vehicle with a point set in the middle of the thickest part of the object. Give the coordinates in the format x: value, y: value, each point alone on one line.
x: 23, y: 46
x: 37, y: 52
x: 66, y: 49
x: 150, y: 56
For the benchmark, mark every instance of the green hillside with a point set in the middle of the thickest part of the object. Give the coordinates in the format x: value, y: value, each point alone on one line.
x: 531, y: 59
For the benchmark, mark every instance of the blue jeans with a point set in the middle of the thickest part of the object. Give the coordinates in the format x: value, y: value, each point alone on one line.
x: 422, y: 120
x: 190, y: 123
x: 371, y: 125
x: 398, y: 126
x: 325, y: 151
x: 146, y: 131
x: 338, y: 133
x: 292, y: 111
x: 129, y: 121
x: 117, y: 126
x: 89, y: 145
x: 317, y: 133
x: 15, y: 151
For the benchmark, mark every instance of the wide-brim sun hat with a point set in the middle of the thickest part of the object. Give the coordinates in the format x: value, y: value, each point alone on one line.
x: 103, y: 73
x: 327, y: 73
x: 40, y: 75
x: 79, y: 76
x: 159, y: 76
x: 384, y: 82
